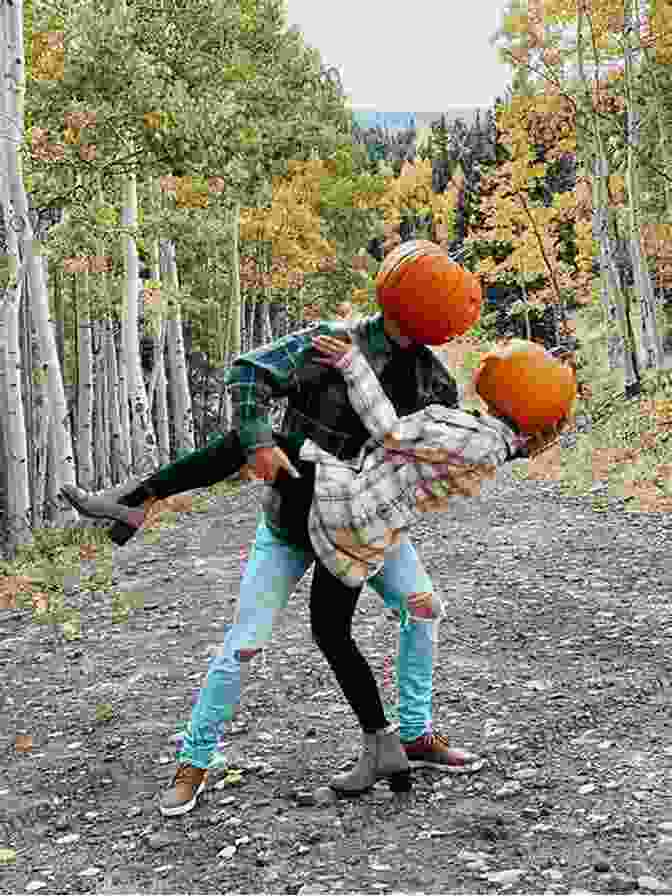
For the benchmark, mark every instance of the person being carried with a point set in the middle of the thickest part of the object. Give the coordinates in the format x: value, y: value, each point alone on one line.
x: 411, y: 465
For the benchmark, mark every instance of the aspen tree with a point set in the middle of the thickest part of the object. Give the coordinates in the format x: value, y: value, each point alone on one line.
x: 62, y: 470
x: 183, y: 422
x: 85, y: 397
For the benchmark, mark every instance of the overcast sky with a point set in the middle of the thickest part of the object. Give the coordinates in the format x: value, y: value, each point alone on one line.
x: 397, y: 56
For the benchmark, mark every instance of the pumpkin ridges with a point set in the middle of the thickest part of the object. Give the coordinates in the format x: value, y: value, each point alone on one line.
x: 527, y: 385
x: 431, y: 297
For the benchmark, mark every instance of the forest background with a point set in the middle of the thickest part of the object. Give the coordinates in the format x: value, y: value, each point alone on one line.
x: 186, y: 184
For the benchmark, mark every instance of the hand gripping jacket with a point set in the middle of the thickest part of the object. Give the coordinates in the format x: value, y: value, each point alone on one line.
x: 319, y: 407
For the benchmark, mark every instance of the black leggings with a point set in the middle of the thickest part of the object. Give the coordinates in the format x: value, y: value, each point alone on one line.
x: 332, y: 606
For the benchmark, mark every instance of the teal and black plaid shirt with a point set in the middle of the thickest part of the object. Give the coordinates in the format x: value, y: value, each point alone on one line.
x: 269, y: 373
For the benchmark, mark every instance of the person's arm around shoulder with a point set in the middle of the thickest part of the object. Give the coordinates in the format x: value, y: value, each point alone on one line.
x: 365, y: 392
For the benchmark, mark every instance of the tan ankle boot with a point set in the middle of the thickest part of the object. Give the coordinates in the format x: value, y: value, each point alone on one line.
x: 382, y: 757
x: 103, y: 508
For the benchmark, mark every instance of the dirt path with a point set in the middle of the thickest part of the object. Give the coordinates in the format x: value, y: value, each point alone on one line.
x: 554, y: 664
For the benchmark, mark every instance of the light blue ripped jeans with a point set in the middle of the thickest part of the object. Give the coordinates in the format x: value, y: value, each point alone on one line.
x: 272, y: 573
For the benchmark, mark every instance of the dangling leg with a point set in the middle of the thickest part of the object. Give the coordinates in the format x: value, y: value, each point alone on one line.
x: 404, y: 584
x: 272, y: 573
x: 221, y: 458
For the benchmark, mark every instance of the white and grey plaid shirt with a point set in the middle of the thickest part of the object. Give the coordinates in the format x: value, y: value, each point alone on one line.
x: 410, y: 465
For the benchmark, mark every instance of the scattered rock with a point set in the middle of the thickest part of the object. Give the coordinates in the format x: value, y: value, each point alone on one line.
x: 227, y: 853
x: 504, y: 878
x: 69, y: 838
x: 324, y: 796
x: 652, y: 884
x: 90, y: 872
x: 509, y: 789
x: 162, y: 840
x: 525, y: 774
x: 621, y: 883
x: 477, y: 865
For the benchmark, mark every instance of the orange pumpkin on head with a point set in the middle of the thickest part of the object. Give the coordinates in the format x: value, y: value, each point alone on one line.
x: 523, y: 382
x: 431, y: 298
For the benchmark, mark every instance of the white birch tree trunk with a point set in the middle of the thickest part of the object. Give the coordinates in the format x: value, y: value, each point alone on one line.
x: 652, y: 344
x: 266, y: 328
x: 156, y: 380
x: 40, y: 413
x: 125, y: 447
x: 42, y: 418
x: 611, y: 290
x: 107, y: 368
x: 181, y: 400
x: 179, y: 383
x: 143, y: 438
x: 52, y: 498
x: 63, y: 469
x: 162, y: 418
x: 6, y: 501
x: 14, y: 432
x: 85, y: 397
x: 16, y: 445
x: 102, y: 437
x: 237, y: 315
x: 118, y: 468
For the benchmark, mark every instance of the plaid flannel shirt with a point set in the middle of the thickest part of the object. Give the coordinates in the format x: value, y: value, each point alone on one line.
x: 260, y: 377
x: 410, y: 465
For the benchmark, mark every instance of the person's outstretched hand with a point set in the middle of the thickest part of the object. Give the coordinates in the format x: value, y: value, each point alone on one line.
x: 267, y: 462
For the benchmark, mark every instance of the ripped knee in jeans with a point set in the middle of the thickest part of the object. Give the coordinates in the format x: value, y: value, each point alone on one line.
x: 424, y: 606
x: 245, y: 655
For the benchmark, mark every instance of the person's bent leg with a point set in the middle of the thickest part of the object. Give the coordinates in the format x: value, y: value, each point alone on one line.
x: 271, y: 575
x: 221, y: 458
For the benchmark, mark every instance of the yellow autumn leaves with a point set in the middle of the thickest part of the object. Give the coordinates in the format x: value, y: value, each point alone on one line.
x: 509, y: 213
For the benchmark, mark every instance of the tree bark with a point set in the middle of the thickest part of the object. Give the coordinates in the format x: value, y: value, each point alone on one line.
x: 85, y: 392
x: 143, y: 438
x: 13, y: 63
x: 179, y: 383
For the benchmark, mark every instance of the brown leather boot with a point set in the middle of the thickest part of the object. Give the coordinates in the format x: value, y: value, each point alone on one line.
x: 188, y: 783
